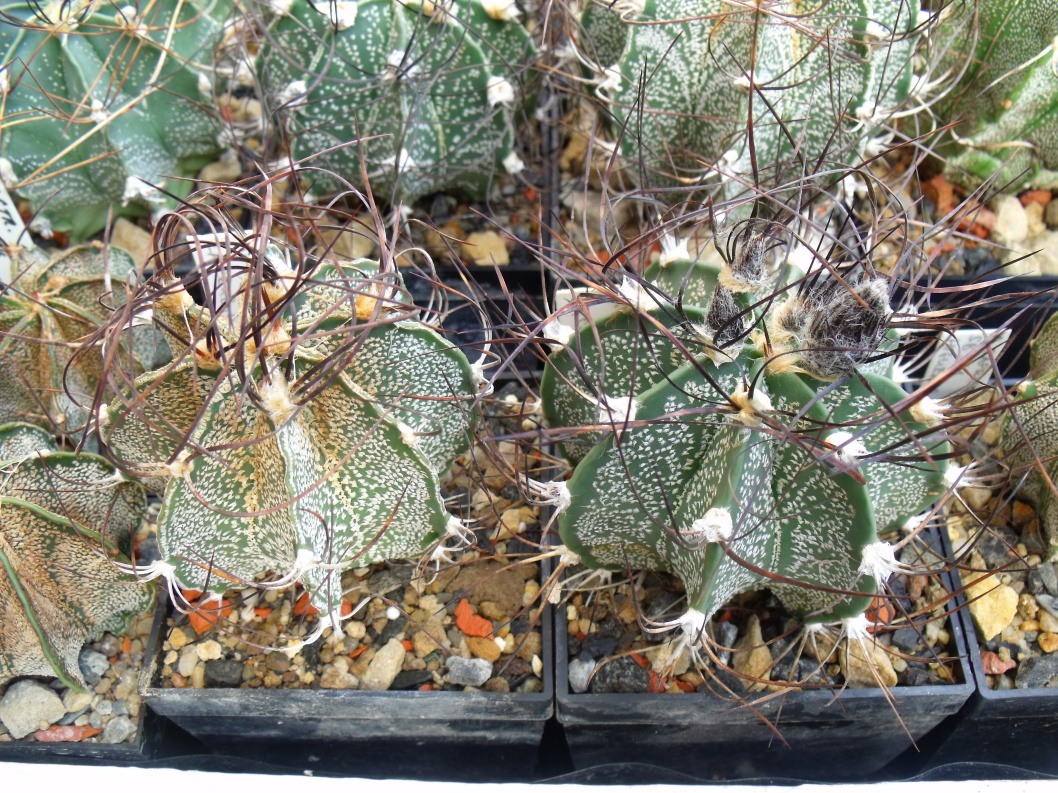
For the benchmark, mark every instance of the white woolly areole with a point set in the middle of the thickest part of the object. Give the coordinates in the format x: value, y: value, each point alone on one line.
x: 692, y: 622
x: 847, y: 450
x: 628, y: 8
x: 41, y: 226
x: 929, y: 411
x: 275, y: 396
x: 280, y: 7
x: 566, y: 556
x: 501, y: 10
x: 499, y: 91
x: 611, y: 80
x: 98, y: 112
x: 342, y: 13
x: 619, y: 410
x: 555, y: 494
x: 857, y: 628
x: 672, y: 249
x: 557, y: 331
x: 477, y: 377
x: 742, y: 83
x: 5, y: 82
x: 205, y: 87
x: 7, y: 173
x: 138, y: 190
x: 879, y: 561
x: 294, y: 95
x: 912, y: 523
x: 751, y: 408
x: 394, y: 61
x: 513, y: 164
x: 407, y: 434
x: 956, y: 476
x: 716, y: 526
x: 636, y: 295
x: 403, y: 161
x: 457, y: 528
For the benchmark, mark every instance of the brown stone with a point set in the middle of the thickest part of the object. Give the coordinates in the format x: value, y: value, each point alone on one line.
x: 483, y: 648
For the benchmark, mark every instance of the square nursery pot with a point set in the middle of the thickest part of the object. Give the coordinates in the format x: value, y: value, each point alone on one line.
x: 1015, y: 728
x: 466, y: 736
x: 844, y: 735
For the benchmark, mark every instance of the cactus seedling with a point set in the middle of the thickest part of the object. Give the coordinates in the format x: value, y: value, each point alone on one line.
x: 687, y: 79
x: 422, y: 94
x: 300, y: 431
x: 756, y: 441
x: 1008, y: 98
x: 63, y: 517
x: 100, y: 102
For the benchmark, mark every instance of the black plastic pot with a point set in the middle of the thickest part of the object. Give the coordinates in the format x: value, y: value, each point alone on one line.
x: 831, y: 735
x: 466, y: 736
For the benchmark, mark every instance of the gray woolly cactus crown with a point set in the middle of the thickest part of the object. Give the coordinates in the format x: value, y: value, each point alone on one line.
x: 743, y: 430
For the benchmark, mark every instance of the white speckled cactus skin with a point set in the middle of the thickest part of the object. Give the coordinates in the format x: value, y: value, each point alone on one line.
x: 436, y: 84
x: 266, y: 468
x: 686, y: 80
x: 101, y: 101
x: 1008, y: 97
x: 741, y: 459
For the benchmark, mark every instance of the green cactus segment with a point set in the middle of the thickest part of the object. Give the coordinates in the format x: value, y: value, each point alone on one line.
x: 617, y: 358
x: 1009, y: 93
x: 687, y: 279
x: 1030, y: 434
x: 434, y: 86
x: 62, y: 518
x: 103, y: 101
x: 824, y: 78
x: 773, y: 465
x: 604, y: 34
x: 52, y: 304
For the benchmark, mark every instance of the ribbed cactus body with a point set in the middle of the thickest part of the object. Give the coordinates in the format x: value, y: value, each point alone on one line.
x: 1008, y: 98
x: 691, y: 80
x: 52, y: 304
x: 436, y: 86
x: 62, y: 518
x: 1030, y: 433
x: 741, y: 459
x: 102, y: 102
x: 279, y: 471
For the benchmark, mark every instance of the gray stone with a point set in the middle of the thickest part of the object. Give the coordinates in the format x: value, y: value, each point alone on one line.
x: 104, y: 707
x: 223, y: 673
x: 1012, y: 223
x: 598, y: 646
x: 27, y: 706
x: 1048, y: 603
x: 1040, y: 671
x: 413, y: 678
x: 580, y: 675
x: 620, y: 676
x: 93, y: 666
x: 725, y: 634
x: 906, y: 639
x: 385, y: 667
x: 1050, y: 214
x: 118, y: 730
x: 110, y: 646
x: 468, y: 671
x: 1048, y: 577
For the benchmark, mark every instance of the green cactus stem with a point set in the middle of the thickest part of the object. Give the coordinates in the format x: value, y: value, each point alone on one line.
x: 102, y: 102
x: 319, y: 452
x: 813, y: 83
x: 63, y: 519
x: 1008, y: 97
x: 425, y: 93
x: 755, y: 440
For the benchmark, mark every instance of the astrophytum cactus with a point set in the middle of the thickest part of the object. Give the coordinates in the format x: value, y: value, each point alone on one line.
x: 422, y: 95
x: 63, y: 519
x: 101, y: 102
x: 701, y: 86
x: 1007, y: 101
x: 742, y: 435
x: 46, y: 376
x: 306, y: 449
x: 1030, y: 434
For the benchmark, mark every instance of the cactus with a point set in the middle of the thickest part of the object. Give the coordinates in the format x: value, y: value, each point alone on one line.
x: 63, y: 517
x: 300, y: 440
x: 1030, y: 439
x: 437, y: 83
x: 687, y: 79
x: 1008, y: 97
x: 102, y: 102
x: 51, y: 305
x: 754, y: 440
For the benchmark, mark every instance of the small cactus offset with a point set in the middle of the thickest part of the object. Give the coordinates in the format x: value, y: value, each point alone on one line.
x: 63, y: 519
x: 52, y: 304
x: 743, y: 435
x: 685, y: 80
x: 1008, y: 97
x: 1030, y: 434
x: 301, y: 431
x: 101, y: 102
x: 436, y: 85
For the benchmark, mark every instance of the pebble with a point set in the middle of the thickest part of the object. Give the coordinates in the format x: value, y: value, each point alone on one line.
x: 580, y: 675
x: 1048, y: 642
x: 726, y: 636
x: 338, y: 676
x: 752, y: 658
x: 467, y: 671
x: 485, y: 248
x: 223, y: 673
x: 1050, y: 214
x: 118, y: 730
x: 1012, y: 223
x: 28, y: 706
x: 75, y: 701
x: 1048, y: 622
x: 105, y: 707
x: 620, y: 676
x: 209, y: 650
x: 93, y: 665
x: 865, y: 664
x: 483, y: 648
x: 177, y: 639
x: 385, y: 666
x: 993, y: 607
x: 188, y: 661
x: 1037, y: 672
